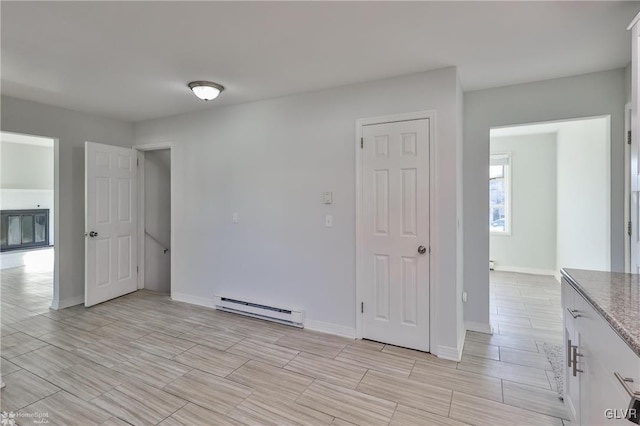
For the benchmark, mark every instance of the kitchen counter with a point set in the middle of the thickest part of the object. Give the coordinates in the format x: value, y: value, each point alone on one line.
x: 615, y: 295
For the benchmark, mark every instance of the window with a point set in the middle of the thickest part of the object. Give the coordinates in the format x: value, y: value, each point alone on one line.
x: 499, y: 196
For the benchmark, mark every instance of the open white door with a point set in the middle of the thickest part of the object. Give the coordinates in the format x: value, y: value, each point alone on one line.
x: 111, y: 221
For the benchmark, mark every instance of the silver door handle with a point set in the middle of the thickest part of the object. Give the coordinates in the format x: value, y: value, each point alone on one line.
x: 624, y: 381
x: 422, y: 249
x: 93, y: 234
x: 569, y: 352
x: 575, y: 361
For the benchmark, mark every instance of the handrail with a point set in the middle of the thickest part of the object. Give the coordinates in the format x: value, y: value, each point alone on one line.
x: 157, y: 241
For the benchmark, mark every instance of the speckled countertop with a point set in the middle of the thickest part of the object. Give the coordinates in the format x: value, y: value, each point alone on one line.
x: 616, y: 296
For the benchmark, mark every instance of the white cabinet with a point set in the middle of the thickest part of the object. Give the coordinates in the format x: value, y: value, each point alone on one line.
x: 593, y: 354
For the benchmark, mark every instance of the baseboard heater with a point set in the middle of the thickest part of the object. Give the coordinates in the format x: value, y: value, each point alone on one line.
x: 288, y: 316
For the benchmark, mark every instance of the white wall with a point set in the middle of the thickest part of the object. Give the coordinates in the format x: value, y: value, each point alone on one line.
x: 271, y: 161
x: 531, y: 245
x: 71, y: 129
x: 586, y: 95
x: 24, y: 166
x: 157, y: 210
x: 583, y: 195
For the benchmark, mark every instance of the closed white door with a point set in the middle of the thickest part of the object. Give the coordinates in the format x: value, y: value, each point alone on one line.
x: 111, y: 243
x: 395, y: 228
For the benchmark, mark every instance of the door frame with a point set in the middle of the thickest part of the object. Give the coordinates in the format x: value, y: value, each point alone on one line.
x: 360, y: 286
x: 141, y: 209
x: 628, y: 207
x: 55, y: 292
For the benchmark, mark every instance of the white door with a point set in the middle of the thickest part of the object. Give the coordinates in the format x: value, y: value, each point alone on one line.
x: 111, y: 239
x: 395, y: 229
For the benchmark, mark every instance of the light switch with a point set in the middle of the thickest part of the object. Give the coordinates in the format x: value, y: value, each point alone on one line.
x: 327, y: 197
x: 235, y: 218
x: 328, y: 221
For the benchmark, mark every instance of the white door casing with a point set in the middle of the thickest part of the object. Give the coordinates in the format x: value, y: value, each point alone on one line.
x: 634, y: 166
x: 111, y: 234
x: 394, y: 224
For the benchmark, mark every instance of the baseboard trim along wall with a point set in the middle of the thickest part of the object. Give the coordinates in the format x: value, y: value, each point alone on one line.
x: 521, y: 270
x: 451, y: 353
x: 309, y: 324
x: 479, y: 327
x: 194, y: 300
x: 329, y: 328
x: 67, y: 303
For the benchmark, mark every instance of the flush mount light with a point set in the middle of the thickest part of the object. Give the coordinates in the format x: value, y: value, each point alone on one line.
x: 206, y: 90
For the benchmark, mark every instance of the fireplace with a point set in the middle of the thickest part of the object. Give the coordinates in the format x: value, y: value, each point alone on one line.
x: 24, y: 229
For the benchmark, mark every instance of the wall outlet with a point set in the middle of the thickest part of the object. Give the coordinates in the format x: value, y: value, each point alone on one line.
x: 328, y: 221
x: 464, y: 296
x: 235, y: 218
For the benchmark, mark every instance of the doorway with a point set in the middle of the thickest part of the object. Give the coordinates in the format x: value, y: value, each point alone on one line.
x: 393, y: 224
x: 28, y: 222
x: 155, y: 218
x: 549, y: 192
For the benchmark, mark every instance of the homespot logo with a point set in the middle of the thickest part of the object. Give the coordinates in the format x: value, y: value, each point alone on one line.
x: 622, y: 413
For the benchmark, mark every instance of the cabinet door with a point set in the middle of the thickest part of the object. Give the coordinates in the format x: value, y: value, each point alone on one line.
x: 603, y: 399
x: 571, y: 382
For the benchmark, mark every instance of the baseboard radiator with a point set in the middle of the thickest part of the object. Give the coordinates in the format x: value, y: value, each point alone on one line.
x: 288, y: 316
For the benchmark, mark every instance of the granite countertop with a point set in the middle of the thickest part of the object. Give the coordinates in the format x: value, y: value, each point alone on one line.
x: 616, y: 296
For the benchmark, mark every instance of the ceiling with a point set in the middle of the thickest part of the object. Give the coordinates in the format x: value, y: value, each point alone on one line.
x: 132, y: 60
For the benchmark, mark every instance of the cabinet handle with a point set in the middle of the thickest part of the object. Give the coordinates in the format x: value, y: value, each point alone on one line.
x: 624, y: 381
x: 574, y: 313
x: 575, y: 361
x: 568, y: 352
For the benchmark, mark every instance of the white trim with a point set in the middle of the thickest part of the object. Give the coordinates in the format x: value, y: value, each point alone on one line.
x: 479, y: 327
x: 67, y: 303
x: 521, y: 270
x: 141, y: 217
x: 141, y: 210
x: 451, y: 353
x: 329, y: 328
x: 193, y: 300
x: 55, y: 299
x: 634, y: 21
x: 431, y: 116
x: 153, y: 146
x: 627, y: 188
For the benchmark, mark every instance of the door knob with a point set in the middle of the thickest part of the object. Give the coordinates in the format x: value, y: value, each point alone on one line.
x: 422, y: 249
x: 93, y: 234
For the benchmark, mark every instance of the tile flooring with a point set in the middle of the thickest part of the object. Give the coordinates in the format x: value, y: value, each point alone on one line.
x: 143, y: 359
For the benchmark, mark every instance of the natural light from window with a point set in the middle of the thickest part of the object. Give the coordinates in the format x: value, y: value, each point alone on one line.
x: 499, y: 194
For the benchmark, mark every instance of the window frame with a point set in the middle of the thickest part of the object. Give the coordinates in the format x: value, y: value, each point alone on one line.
x: 507, y: 194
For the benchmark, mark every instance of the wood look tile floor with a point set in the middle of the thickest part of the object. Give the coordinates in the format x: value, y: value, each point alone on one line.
x: 144, y: 359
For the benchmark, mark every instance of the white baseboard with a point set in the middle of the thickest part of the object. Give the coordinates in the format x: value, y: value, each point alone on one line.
x: 329, y: 328
x: 194, y: 300
x: 67, y: 303
x: 480, y: 327
x: 521, y: 270
x: 451, y: 353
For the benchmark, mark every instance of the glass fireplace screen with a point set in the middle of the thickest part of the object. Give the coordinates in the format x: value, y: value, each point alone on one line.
x: 23, y: 229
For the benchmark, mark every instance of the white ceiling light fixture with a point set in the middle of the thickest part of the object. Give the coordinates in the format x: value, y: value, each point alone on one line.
x: 206, y: 90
